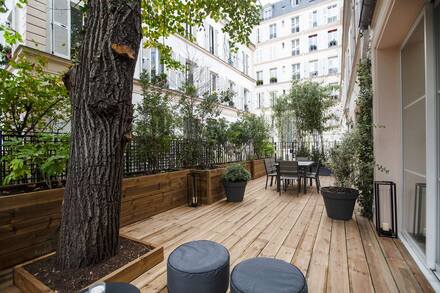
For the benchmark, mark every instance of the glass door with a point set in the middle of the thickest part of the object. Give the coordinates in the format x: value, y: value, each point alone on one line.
x: 414, y: 136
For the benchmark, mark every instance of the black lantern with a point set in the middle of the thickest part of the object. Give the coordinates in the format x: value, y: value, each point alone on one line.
x: 382, y: 228
x: 193, y: 189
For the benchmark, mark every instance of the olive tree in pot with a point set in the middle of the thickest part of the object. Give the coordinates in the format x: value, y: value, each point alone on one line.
x: 235, y: 180
x: 339, y: 200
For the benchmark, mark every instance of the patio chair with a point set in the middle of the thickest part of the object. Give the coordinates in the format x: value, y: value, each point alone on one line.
x: 269, y: 166
x: 287, y: 171
x: 313, y: 175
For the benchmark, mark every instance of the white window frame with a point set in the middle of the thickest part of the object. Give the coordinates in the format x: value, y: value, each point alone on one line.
x: 296, y: 71
x: 294, y: 26
x: 51, y: 28
x: 272, y: 31
x: 296, y: 47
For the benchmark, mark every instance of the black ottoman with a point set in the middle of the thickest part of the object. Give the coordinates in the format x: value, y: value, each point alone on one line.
x: 198, y: 267
x: 262, y: 275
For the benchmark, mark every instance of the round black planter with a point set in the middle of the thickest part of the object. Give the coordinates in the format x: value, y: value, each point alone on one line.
x: 339, y: 202
x: 235, y: 190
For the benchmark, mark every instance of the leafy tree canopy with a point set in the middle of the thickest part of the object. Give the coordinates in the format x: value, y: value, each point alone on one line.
x: 32, y: 100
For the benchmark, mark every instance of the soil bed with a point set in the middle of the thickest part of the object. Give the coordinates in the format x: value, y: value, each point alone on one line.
x: 75, y: 280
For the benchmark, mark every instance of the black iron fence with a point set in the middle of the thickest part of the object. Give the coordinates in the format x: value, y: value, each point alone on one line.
x: 139, y: 160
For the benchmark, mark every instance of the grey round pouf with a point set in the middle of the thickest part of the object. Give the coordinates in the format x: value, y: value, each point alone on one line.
x: 198, y: 267
x: 261, y: 275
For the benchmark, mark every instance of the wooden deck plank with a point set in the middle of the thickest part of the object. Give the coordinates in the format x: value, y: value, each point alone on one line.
x: 421, y: 280
x: 381, y: 276
x: 318, y: 268
x: 359, y: 274
x: 337, y: 280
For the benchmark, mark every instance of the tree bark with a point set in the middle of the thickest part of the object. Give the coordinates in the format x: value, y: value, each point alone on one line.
x: 100, y: 87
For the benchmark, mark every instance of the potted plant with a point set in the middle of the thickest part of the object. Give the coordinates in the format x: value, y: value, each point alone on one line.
x: 339, y: 200
x: 259, y: 82
x: 235, y: 180
x: 273, y: 80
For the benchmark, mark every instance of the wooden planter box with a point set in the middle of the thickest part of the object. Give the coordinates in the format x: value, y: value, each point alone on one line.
x: 211, y: 185
x: 28, y: 283
x: 31, y: 220
x: 258, y: 169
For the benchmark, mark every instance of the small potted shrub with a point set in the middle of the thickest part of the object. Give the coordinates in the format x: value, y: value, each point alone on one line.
x: 235, y: 180
x: 339, y: 200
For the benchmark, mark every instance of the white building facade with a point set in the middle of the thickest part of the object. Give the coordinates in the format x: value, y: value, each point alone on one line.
x: 297, y: 39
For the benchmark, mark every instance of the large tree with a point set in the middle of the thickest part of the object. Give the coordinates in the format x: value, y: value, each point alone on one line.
x: 100, y: 86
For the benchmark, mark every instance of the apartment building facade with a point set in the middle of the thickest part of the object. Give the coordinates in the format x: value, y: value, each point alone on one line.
x: 402, y: 38
x: 297, y: 40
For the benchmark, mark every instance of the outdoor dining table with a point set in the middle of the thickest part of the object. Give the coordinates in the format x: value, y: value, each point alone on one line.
x: 306, y: 164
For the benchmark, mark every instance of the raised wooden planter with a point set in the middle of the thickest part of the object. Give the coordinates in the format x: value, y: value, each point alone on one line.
x: 211, y: 185
x: 28, y: 283
x: 258, y: 169
x: 31, y: 220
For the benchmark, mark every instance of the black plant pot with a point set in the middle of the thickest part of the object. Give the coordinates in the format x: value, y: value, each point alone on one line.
x: 339, y: 202
x: 235, y: 190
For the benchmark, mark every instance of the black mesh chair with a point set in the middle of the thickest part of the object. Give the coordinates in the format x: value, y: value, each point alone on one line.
x: 288, y: 171
x: 269, y: 166
x: 313, y: 175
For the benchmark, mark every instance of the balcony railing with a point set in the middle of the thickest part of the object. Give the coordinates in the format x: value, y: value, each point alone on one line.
x: 313, y: 48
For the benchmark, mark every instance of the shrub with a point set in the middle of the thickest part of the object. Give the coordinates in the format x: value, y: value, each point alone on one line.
x: 342, y: 160
x: 236, y: 173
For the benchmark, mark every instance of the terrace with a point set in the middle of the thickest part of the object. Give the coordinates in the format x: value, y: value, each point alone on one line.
x: 334, y: 255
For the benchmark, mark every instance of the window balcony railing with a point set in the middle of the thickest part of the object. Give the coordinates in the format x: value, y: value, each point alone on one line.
x: 332, y: 43
x: 313, y: 48
x: 273, y: 80
x: 259, y: 82
x: 313, y: 73
x: 295, y: 30
x: 332, y: 71
x: 295, y: 52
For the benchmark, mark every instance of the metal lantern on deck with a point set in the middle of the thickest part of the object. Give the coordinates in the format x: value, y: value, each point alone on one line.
x: 385, y: 191
x: 193, y: 191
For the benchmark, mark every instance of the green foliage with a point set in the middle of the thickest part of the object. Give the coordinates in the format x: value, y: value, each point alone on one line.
x: 365, y: 150
x: 343, y: 160
x: 308, y: 103
x: 155, y: 123
x: 50, y: 152
x: 162, y: 19
x: 5, y: 54
x: 236, y: 173
x: 250, y: 130
x: 352, y: 161
x: 11, y: 36
x: 32, y: 100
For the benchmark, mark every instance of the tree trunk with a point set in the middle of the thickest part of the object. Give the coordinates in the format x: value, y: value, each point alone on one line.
x: 100, y: 87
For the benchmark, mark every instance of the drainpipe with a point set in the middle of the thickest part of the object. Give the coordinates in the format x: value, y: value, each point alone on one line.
x: 367, y: 10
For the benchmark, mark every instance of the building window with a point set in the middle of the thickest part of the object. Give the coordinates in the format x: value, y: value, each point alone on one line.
x: 332, y: 13
x: 273, y: 31
x: 189, y: 71
x: 245, y: 100
x: 260, y: 77
x: 313, y: 65
x: 314, y: 18
x: 295, y: 2
x: 260, y: 100
x: 258, y: 35
x: 76, y: 29
x: 267, y: 13
x: 295, y: 47
x: 333, y: 65
x: 332, y: 38
x: 273, y: 75
x: 273, y: 98
x: 295, y: 24
x: 334, y: 94
x: 313, y: 41
x: 296, y: 74
x: 212, y: 40
x: 213, y: 82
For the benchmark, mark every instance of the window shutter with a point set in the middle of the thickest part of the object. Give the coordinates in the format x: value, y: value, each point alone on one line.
x: 61, y: 28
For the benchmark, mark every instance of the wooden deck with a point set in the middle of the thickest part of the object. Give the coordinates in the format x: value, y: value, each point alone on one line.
x: 335, y: 256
